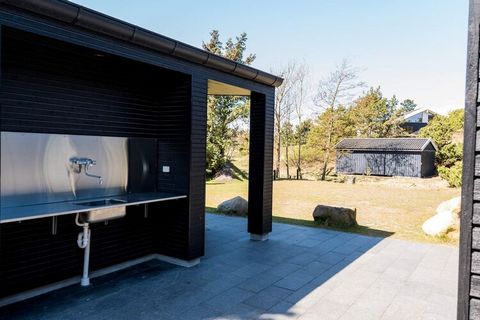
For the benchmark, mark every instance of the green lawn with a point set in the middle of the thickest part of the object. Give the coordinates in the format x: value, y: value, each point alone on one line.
x: 382, y: 210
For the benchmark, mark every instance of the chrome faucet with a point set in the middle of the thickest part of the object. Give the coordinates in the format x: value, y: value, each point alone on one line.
x: 85, y: 163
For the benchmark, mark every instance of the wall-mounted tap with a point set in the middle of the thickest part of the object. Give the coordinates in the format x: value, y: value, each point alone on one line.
x: 85, y: 164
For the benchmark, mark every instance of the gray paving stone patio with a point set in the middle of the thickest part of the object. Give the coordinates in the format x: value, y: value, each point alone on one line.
x: 300, y: 273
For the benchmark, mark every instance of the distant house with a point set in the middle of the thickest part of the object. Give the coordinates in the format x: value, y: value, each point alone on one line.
x: 409, y: 157
x: 417, y: 119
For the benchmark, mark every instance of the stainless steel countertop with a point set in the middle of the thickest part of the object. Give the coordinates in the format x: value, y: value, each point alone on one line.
x: 28, y: 212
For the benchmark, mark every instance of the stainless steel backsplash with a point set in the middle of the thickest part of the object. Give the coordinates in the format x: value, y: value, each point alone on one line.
x: 36, y: 168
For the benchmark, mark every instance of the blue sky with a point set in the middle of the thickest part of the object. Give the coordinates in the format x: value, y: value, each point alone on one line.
x: 412, y: 48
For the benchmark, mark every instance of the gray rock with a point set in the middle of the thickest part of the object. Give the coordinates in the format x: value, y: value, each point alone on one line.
x: 235, y: 206
x: 335, y: 216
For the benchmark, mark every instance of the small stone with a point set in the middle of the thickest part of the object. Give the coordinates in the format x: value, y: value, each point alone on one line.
x: 350, y: 180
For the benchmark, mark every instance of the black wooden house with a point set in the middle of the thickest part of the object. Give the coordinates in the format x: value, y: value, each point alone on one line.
x: 103, y: 129
x: 408, y: 157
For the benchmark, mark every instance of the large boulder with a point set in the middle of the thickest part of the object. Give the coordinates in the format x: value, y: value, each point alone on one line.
x: 439, y: 224
x: 452, y: 205
x: 446, y: 216
x: 335, y: 216
x: 235, y: 206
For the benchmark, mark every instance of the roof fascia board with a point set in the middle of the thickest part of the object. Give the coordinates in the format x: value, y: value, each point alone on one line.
x: 85, y: 18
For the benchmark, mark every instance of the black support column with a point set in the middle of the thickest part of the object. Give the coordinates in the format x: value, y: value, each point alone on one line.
x: 260, y: 165
x: 198, y: 133
x: 469, y: 261
x: 180, y: 225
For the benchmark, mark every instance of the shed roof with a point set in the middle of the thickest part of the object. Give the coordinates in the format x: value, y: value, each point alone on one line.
x: 77, y: 15
x: 385, y: 144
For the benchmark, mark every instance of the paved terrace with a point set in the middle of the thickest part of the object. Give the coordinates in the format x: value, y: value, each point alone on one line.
x: 300, y: 273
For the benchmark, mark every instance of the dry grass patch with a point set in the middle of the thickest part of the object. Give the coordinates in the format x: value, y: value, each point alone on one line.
x: 382, y: 209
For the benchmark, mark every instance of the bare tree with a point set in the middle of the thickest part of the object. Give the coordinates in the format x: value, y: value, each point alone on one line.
x: 283, y: 107
x: 287, y: 137
x: 337, y: 89
x: 301, y: 88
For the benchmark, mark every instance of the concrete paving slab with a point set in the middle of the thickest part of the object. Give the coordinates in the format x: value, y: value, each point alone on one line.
x: 299, y: 273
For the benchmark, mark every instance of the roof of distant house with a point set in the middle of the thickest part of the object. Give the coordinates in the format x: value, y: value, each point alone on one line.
x: 385, y: 144
x: 417, y: 111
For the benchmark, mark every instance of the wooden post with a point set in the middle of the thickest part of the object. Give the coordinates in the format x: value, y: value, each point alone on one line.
x: 469, y: 307
x: 260, y: 165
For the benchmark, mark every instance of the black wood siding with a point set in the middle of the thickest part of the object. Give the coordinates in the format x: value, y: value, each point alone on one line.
x: 52, y: 87
x: 21, y: 20
x: 196, y: 234
x: 407, y: 164
x: 31, y: 256
x: 428, y: 164
x: 182, y: 229
x: 469, y: 266
x: 127, y: 98
x: 260, y: 164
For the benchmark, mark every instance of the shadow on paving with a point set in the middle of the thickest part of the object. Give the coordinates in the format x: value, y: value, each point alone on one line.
x: 237, y: 279
x: 357, y: 229
x: 360, y: 229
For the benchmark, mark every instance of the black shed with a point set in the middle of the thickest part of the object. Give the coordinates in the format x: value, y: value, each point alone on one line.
x: 409, y: 157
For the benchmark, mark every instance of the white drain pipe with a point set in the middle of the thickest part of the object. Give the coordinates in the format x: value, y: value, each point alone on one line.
x: 83, y: 242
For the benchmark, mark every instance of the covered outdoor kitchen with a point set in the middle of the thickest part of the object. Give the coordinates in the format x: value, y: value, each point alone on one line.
x: 103, y: 128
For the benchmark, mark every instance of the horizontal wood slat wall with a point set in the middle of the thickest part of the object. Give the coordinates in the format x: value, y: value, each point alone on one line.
x: 31, y: 256
x: 52, y: 87
x: 48, y: 86
x: 182, y: 231
x: 87, y: 83
x: 196, y: 235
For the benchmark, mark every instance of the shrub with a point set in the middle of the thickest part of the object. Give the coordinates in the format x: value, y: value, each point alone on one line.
x: 449, y: 155
x: 453, y: 174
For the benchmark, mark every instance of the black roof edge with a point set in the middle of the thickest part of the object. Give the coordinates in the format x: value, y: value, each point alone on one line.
x: 427, y: 142
x: 92, y: 20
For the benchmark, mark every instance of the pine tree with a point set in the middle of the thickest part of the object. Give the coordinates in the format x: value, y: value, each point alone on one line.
x: 224, y: 112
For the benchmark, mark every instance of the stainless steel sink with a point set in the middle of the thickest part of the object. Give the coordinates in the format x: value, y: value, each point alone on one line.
x: 102, y: 202
x: 98, y: 214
